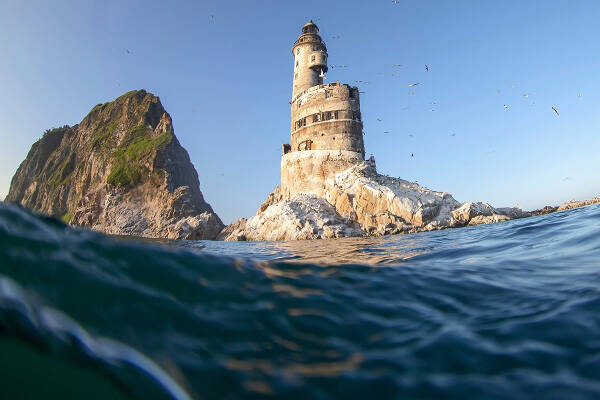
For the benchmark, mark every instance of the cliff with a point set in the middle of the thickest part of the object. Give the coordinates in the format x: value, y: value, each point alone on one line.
x: 121, y: 171
x: 357, y: 202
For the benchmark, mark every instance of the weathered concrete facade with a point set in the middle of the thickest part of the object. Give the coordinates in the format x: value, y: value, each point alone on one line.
x: 324, y: 118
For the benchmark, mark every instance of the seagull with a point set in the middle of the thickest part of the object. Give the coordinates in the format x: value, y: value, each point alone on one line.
x: 498, y: 91
x: 526, y: 95
x: 512, y: 86
x: 411, y: 135
x: 386, y: 131
x: 454, y: 134
x: 128, y: 51
x: 567, y: 178
x: 431, y: 109
x: 322, y: 75
x: 395, y: 1
x: 505, y: 107
x: 555, y: 111
x: 433, y: 103
x: 336, y: 37
x: 412, y: 155
x: 413, y: 84
x: 579, y: 95
x: 426, y: 68
x: 212, y: 17
x: 118, y: 84
x: 397, y: 65
x: 361, y: 92
x: 379, y: 119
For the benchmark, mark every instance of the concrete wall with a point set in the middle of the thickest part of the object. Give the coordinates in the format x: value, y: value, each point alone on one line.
x: 329, y: 116
x: 306, y: 171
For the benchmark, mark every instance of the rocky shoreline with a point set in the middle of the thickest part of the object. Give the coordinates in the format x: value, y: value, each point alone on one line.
x: 361, y: 202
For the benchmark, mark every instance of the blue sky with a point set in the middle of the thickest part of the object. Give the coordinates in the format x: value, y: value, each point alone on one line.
x: 226, y: 81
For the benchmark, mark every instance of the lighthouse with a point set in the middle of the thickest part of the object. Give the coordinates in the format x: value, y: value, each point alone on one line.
x: 326, y: 132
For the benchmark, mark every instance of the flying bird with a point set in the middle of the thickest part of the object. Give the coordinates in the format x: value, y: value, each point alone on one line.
x: 212, y: 17
x: 411, y: 135
x: 526, y: 95
x: 498, y: 91
x: 386, y: 131
x: 454, y: 134
x: 128, y: 51
x: 505, y: 107
x: 426, y: 68
x: 397, y: 65
x: 379, y: 119
x: 579, y: 95
x: 336, y: 37
x: 412, y: 155
x: 555, y: 111
x: 413, y: 84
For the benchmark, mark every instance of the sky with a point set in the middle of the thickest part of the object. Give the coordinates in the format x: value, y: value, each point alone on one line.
x: 223, y: 71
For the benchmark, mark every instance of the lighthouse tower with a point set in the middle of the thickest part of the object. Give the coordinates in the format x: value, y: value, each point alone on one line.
x: 326, y: 124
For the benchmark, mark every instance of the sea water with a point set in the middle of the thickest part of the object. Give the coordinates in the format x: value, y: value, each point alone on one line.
x: 503, y: 311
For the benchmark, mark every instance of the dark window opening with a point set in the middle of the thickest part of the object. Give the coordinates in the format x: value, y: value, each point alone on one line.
x: 305, y: 145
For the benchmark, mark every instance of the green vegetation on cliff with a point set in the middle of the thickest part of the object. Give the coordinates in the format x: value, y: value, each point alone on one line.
x: 127, y: 167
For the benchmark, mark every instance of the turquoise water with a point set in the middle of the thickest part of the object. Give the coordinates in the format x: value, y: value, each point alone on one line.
x: 503, y: 311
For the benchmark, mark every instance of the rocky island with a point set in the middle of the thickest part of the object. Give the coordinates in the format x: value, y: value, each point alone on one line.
x: 327, y: 187
x: 121, y: 171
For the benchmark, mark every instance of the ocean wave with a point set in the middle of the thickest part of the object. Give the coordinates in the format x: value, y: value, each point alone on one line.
x: 503, y: 311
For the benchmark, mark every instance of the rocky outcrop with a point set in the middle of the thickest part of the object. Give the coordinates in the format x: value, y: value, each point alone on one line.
x: 359, y: 201
x: 121, y: 171
x: 577, y: 203
x: 304, y: 217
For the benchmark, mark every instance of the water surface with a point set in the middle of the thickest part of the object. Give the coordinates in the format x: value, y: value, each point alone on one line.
x: 503, y: 311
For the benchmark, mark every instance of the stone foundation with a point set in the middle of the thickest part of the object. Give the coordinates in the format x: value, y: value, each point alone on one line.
x: 306, y: 171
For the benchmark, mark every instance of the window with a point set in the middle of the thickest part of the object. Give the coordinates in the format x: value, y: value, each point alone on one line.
x: 297, y: 62
x: 328, y: 94
x: 298, y: 51
x: 328, y: 117
x: 300, y: 123
x: 335, y: 115
x: 312, y: 58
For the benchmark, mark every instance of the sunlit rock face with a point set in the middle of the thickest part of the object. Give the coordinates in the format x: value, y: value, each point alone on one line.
x: 121, y: 170
x: 358, y: 202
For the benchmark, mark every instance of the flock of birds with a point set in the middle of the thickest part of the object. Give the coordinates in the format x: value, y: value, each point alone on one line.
x: 415, y: 84
x: 395, y: 73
